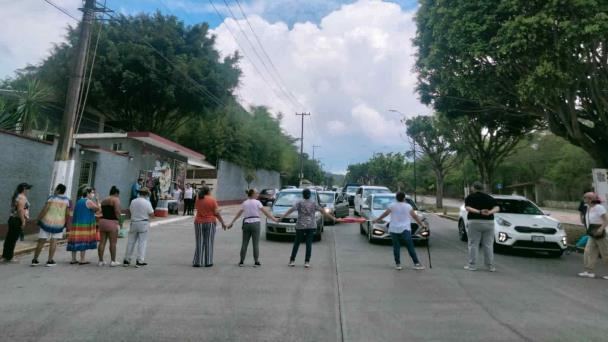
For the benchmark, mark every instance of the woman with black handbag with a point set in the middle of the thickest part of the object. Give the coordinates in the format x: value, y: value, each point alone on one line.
x: 596, y: 222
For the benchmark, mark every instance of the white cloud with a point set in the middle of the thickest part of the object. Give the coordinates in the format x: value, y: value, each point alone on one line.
x: 347, y: 71
x: 29, y: 29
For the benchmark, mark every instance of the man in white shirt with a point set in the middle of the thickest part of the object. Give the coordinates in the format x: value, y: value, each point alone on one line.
x: 188, y: 200
x: 141, y: 211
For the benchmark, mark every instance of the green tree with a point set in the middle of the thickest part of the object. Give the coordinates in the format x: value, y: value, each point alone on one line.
x: 137, y: 88
x: 429, y: 133
x: 529, y: 59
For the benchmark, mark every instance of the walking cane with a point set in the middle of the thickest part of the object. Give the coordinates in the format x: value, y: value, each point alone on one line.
x: 426, y: 233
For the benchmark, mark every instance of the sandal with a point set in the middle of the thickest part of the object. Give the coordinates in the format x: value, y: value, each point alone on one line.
x: 84, y: 263
x: 73, y: 262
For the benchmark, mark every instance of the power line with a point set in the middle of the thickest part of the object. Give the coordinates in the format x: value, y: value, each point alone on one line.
x: 61, y: 9
x: 290, y: 94
x: 255, y: 67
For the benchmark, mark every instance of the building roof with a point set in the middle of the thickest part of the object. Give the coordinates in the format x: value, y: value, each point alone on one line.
x: 194, y: 158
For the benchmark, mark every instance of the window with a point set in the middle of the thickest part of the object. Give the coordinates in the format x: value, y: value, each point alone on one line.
x: 87, y: 173
x: 117, y: 147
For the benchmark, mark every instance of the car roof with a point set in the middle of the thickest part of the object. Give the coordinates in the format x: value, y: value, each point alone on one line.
x: 373, y: 187
x: 297, y: 190
x: 512, y: 197
x: 326, y: 192
x: 388, y: 194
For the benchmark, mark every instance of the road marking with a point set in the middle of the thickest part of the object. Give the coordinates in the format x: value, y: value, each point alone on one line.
x: 341, y: 320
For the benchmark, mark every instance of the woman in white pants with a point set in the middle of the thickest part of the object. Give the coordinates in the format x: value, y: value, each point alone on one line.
x: 141, y: 211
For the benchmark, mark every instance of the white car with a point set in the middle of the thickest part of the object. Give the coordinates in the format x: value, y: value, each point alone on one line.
x: 379, y: 231
x: 520, y: 224
x: 363, y: 193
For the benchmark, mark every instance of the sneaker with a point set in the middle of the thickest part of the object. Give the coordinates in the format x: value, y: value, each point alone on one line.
x: 114, y: 264
x: 101, y: 263
x: 35, y: 262
x: 292, y: 263
x: 257, y: 264
x: 418, y: 267
x: 50, y: 263
x: 209, y: 265
x: 307, y: 265
x: 586, y: 274
x: 605, y: 277
x: 126, y: 263
x: 470, y: 268
x: 398, y: 267
x: 241, y: 264
x: 492, y: 269
x: 140, y: 264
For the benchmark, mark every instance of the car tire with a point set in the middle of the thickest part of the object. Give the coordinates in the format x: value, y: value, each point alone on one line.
x: 462, y: 232
x: 556, y: 254
x: 370, y: 239
x: 361, y: 230
x: 318, y: 237
x: 268, y: 236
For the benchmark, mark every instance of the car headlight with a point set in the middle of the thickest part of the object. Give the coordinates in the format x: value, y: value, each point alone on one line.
x: 564, y: 240
x: 378, y: 231
x: 327, y: 210
x: 502, y: 236
x: 503, y: 222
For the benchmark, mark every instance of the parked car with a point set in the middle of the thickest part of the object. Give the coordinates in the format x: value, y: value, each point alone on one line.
x: 521, y: 224
x: 379, y: 231
x: 333, y: 203
x: 285, y: 199
x: 349, y: 191
x: 363, y: 193
x: 267, y: 196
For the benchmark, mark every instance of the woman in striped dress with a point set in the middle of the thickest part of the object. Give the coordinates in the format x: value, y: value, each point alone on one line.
x: 83, y: 233
x: 204, y: 227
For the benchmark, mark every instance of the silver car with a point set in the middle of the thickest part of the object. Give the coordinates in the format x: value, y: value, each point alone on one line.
x: 285, y: 199
x: 333, y: 203
x: 379, y: 231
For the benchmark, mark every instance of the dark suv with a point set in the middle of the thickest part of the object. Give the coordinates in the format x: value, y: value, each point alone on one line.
x: 267, y: 196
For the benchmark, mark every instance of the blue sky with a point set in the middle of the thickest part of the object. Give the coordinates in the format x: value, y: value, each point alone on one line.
x: 195, y: 11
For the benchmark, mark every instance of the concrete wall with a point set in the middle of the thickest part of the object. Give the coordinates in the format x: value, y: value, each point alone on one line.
x: 24, y: 160
x: 231, y: 184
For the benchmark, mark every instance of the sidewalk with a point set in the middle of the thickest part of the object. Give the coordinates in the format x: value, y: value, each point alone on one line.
x: 28, y: 245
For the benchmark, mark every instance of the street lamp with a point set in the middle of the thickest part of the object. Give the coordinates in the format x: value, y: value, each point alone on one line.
x: 414, y: 147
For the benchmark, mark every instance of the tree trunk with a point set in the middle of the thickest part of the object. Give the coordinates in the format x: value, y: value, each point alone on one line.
x: 439, y: 190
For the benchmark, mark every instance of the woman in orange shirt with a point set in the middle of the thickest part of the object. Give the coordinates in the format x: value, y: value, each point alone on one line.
x: 204, y: 227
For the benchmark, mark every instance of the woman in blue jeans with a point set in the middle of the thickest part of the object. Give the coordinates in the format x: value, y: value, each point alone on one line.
x: 306, y: 225
x: 400, y: 228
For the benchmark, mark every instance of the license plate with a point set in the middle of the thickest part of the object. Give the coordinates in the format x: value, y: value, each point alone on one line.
x: 538, y: 239
x: 290, y: 229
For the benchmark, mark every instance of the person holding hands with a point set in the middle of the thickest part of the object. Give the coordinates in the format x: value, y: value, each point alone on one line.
x: 481, y: 208
x: 400, y: 229
x: 250, y: 209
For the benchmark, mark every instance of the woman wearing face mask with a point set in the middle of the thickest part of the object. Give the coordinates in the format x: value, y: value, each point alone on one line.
x: 83, y: 233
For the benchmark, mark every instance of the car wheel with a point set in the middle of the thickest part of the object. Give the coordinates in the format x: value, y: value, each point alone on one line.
x: 361, y: 230
x: 318, y: 237
x: 370, y: 239
x: 462, y: 232
x: 268, y: 236
x: 556, y: 254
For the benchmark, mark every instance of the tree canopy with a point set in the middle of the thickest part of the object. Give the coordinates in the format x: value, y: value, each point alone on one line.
x: 519, y: 60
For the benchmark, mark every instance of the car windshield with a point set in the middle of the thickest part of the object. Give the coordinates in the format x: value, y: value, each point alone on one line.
x: 383, y: 202
x: 326, y: 198
x: 508, y: 206
x: 288, y: 199
x: 266, y: 192
x: 351, y: 188
x: 368, y: 192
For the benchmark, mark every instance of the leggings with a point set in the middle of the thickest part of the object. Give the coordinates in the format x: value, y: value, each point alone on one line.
x: 14, y: 230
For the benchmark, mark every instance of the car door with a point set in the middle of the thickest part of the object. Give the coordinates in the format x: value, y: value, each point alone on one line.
x: 341, y: 206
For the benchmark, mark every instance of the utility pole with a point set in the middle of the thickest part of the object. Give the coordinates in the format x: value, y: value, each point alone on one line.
x: 415, y: 199
x: 313, y: 151
x: 302, y: 147
x: 63, y: 168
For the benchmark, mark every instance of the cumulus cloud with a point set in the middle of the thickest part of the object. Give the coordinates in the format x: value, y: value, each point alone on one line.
x: 349, y: 69
x: 29, y: 29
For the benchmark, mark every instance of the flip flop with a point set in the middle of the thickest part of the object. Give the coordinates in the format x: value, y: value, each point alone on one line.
x: 84, y: 263
x: 73, y: 262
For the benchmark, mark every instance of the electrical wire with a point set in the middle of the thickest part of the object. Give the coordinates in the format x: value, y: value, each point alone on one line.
x: 61, y: 9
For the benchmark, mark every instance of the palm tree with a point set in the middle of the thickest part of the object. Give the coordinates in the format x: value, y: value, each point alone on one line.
x: 8, y: 119
x: 34, y: 105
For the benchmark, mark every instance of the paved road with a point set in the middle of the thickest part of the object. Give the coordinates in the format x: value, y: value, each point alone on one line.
x: 351, y: 293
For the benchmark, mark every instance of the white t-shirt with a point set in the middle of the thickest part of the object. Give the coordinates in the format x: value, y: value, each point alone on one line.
x: 177, y: 194
x: 251, y: 210
x: 400, y: 217
x: 188, y: 193
x: 594, y: 214
x: 140, y: 209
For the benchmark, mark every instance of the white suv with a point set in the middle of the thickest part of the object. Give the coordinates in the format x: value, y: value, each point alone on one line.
x: 363, y: 193
x: 520, y: 224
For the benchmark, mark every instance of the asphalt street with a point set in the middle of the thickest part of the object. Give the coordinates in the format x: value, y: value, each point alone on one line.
x: 351, y: 293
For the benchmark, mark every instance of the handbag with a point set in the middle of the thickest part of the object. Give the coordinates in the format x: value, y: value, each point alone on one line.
x: 594, y: 230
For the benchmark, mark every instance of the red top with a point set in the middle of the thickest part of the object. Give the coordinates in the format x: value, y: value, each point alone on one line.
x: 205, y: 210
